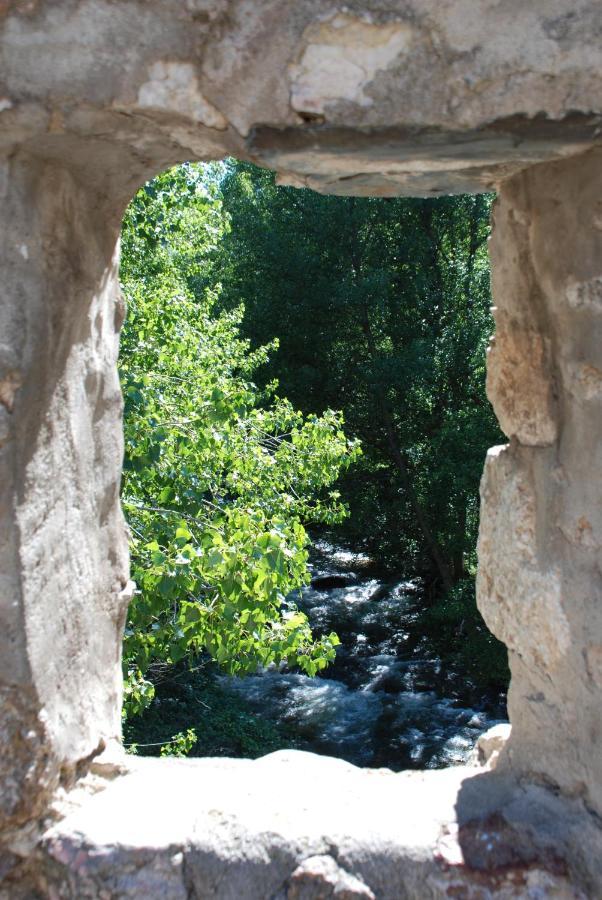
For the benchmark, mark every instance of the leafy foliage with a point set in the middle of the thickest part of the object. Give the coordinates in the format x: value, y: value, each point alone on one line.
x: 382, y: 308
x: 219, y: 476
x: 191, y: 699
x: 181, y: 744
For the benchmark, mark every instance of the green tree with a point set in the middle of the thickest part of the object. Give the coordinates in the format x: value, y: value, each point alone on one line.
x: 220, y: 477
x: 382, y: 309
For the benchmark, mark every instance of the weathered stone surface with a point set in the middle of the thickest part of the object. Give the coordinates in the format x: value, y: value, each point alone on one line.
x: 319, y: 878
x: 413, y: 97
x: 294, y: 826
x: 490, y: 744
x: 541, y: 518
x: 374, y: 97
x: 418, y: 161
x: 63, y: 549
x: 26, y: 773
x: 520, y: 594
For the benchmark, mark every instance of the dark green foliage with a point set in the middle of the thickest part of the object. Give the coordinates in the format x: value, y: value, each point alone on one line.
x: 193, y: 698
x: 459, y: 636
x: 382, y: 308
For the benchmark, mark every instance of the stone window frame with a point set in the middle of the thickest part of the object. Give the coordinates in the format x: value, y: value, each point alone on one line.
x: 96, y: 98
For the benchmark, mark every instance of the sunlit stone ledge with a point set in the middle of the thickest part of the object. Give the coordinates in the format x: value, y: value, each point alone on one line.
x: 295, y: 826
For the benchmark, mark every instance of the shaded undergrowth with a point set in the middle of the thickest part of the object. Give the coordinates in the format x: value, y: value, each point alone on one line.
x: 193, y: 699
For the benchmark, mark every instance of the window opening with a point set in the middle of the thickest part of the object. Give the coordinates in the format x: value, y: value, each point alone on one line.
x: 254, y: 312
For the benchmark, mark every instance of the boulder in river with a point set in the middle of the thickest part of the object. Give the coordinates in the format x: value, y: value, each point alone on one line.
x: 490, y: 743
x: 328, y: 582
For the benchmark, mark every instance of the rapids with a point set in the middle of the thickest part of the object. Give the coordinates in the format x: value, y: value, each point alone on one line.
x: 386, y: 701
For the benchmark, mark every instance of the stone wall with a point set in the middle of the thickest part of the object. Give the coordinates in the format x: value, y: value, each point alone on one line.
x: 64, y: 552
x: 540, y: 545
x: 374, y: 97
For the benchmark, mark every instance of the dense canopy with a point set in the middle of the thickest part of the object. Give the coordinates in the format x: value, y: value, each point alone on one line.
x: 255, y: 312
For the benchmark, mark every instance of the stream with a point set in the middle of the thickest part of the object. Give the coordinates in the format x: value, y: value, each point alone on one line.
x: 386, y: 700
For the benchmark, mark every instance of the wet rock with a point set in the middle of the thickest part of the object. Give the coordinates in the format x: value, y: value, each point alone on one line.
x: 327, y: 582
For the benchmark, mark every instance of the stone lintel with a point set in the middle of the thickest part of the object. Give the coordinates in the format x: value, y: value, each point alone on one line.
x: 415, y: 161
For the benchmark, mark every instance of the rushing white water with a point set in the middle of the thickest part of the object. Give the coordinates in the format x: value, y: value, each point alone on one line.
x: 385, y: 702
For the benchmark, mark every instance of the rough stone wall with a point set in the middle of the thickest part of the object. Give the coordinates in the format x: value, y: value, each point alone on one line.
x: 377, y: 97
x: 224, y: 833
x: 540, y: 547
x: 370, y: 96
x: 64, y: 554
